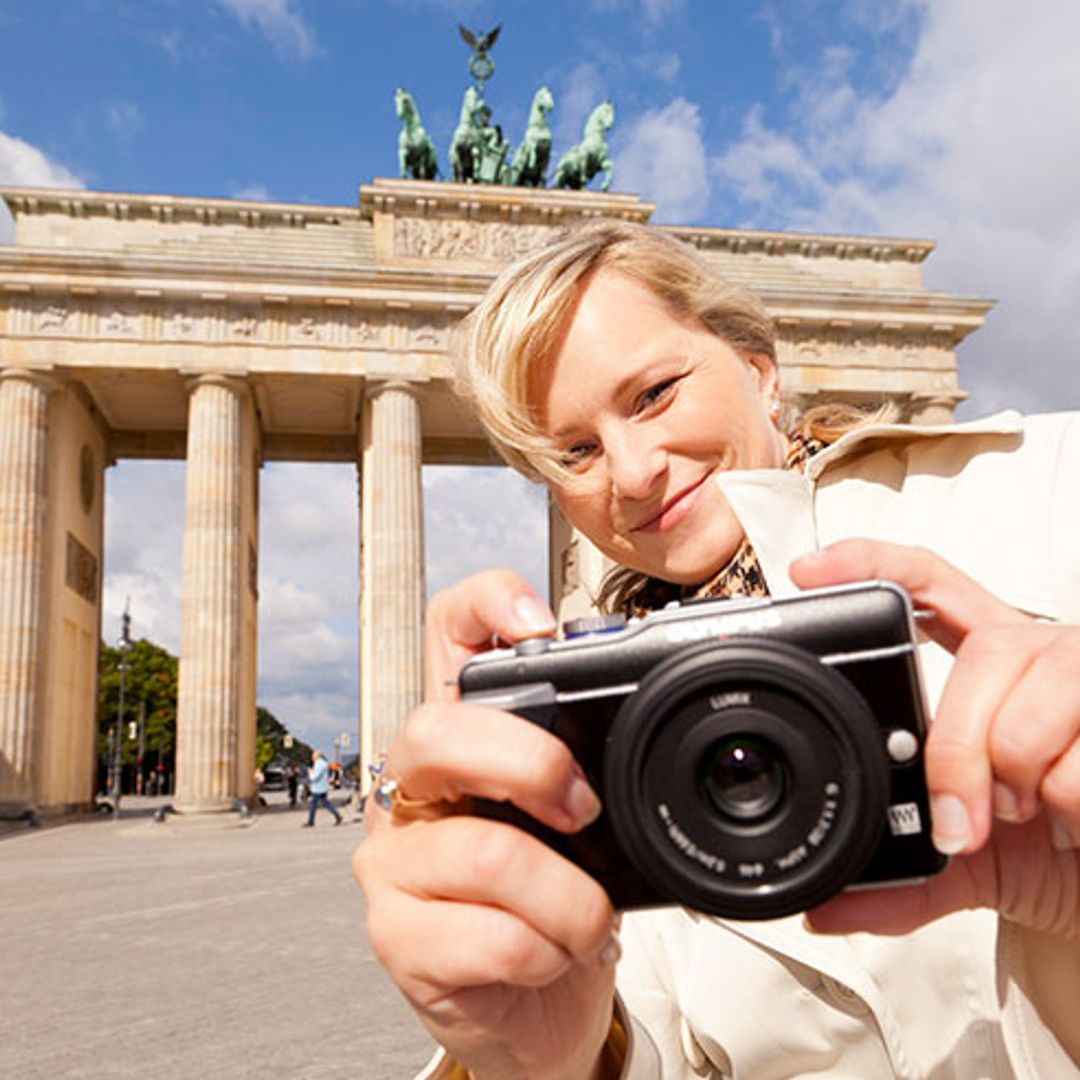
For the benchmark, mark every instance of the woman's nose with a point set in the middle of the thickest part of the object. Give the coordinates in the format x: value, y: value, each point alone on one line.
x: 635, y: 464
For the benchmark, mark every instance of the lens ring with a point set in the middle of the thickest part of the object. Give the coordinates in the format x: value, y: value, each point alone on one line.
x: 646, y: 782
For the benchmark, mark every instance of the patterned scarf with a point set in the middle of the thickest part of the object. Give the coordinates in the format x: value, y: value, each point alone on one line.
x: 742, y: 576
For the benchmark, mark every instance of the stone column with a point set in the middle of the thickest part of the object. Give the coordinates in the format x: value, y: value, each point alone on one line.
x: 391, y: 565
x: 24, y: 399
x: 210, y: 631
x: 931, y: 408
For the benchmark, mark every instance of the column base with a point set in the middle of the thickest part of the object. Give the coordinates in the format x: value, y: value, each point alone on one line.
x: 19, y: 811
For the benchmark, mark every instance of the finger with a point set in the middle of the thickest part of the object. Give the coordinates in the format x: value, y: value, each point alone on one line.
x: 493, y: 864
x: 467, y: 618
x: 427, y: 947
x: 955, y: 602
x: 1038, y: 720
x: 901, y: 909
x: 959, y: 765
x: 449, y: 751
x: 1060, y: 793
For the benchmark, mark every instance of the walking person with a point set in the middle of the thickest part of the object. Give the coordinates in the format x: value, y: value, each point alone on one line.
x: 319, y: 786
x: 292, y: 782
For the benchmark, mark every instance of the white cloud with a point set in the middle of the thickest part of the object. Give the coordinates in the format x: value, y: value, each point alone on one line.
x: 662, y: 156
x: 974, y: 146
x: 579, y: 92
x: 124, y: 119
x: 664, y: 66
x: 478, y: 518
x: 23, y: 165
x: 259, y: 192
x: 283, y: 27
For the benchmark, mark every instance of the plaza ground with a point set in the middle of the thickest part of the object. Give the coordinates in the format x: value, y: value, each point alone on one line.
x: 208, y: 949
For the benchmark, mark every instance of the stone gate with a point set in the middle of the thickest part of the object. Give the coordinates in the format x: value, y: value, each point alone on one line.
x: 230, y: 333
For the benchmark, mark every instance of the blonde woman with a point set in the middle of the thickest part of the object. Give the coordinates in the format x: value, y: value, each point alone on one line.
x: 618, y: 369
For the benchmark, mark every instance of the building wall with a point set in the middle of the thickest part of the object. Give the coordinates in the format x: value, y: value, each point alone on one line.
x: 64, y: 754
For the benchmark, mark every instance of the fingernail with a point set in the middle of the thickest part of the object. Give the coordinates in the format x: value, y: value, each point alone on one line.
x: 611, y: 952
x: 581, y: 803
x: 1061, y: 836
x: 952, y: 827
x: 533, y: 613
x: 1006, y: 804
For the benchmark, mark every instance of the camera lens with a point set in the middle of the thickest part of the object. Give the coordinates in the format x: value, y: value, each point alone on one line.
x: 746, y: 779
x: 744, y: 776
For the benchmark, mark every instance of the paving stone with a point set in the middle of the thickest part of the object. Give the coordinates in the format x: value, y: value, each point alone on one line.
x: 215, y: 949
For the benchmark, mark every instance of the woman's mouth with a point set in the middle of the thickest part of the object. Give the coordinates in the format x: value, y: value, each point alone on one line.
x: 672, y: 512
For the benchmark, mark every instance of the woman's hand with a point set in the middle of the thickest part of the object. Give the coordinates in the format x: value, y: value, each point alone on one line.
x: 1002, y: 756
x: 505, y: 950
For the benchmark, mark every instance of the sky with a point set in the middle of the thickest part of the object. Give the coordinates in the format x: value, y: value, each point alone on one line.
x: 953, y: 121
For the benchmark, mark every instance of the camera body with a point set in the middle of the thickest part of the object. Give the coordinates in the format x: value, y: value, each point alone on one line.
x: 753, y: 756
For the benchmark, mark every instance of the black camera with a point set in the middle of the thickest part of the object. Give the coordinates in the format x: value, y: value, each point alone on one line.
x: 754, y: 757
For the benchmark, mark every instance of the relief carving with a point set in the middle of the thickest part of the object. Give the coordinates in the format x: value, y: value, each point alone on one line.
x: 81, y: 574
x: 180, y: 322
x: 426, y: 333
x: 119, y: 322
x: 306, y: 329
x: 422, y: 238
x: 369, y: 333
x: 53, y: 319
x: 243, y: 325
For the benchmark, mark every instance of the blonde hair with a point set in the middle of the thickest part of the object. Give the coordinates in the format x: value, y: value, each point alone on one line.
x: 518, y: 325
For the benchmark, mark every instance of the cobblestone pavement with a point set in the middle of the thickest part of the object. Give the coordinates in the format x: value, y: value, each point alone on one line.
x: 193, y: 950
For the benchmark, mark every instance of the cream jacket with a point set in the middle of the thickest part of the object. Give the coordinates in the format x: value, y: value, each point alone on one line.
x: 1000, y: 499
x: 705, y: 997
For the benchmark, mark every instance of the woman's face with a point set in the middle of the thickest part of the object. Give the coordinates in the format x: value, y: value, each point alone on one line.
x: 646, y: 409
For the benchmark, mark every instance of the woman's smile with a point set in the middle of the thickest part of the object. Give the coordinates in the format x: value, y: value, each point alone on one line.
x: 673, y: 512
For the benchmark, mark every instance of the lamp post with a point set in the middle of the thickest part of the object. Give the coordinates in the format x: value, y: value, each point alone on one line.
x: 118, y: 741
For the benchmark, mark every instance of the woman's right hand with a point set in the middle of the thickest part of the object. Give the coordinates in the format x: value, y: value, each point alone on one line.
x: 504, y: 948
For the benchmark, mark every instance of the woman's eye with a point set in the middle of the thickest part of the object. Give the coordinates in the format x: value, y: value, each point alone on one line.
x: 575, y: 456
x: 655, y: 393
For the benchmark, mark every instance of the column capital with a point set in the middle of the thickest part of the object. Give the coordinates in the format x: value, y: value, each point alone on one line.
x: 934, y: 407
x: 374, y: 386
x: 44, y: 378
x: 239, y: 384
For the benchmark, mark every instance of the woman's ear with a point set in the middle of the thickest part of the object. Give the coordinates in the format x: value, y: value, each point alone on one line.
x: 768, y: 377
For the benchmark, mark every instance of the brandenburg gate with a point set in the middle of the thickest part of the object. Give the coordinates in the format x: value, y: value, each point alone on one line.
x: 231, y: 333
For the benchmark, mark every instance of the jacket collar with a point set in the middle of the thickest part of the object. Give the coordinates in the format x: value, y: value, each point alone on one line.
x: 1009, y: 422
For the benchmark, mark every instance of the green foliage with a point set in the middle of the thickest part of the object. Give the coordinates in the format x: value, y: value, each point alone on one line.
x: 150, y: 679
x: 270, y: 735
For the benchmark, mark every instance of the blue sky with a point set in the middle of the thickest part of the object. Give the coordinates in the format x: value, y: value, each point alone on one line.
x: 953, y: 121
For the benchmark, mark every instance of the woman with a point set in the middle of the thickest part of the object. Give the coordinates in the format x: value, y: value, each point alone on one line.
x: 644, y: 392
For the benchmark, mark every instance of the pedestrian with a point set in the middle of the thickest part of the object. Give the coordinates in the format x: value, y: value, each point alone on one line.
x: 292, y: 781
x: 319, y: 786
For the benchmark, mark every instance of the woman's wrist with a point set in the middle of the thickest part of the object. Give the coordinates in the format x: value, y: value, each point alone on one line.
x: 608, y: 1065
x: 1046, y: 968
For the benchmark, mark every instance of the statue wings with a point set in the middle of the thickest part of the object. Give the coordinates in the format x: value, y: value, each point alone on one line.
x: 479, y: 42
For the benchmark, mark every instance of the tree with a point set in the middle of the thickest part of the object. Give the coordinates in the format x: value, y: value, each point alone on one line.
x: 270, y: 735
x: 151, y: 677
x: 150, y: 681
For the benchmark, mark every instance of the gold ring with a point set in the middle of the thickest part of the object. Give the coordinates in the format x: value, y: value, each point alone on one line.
x: 390, y: 797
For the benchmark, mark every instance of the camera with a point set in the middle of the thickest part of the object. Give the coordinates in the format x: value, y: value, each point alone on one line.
x: 753, y: 756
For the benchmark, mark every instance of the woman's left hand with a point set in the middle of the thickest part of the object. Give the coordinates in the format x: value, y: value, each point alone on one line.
x: 1002, y: 755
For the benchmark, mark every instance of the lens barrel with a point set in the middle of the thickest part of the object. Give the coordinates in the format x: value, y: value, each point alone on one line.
x: 746, y: 779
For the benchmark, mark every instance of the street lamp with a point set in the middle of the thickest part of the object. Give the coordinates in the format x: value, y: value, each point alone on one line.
x: 118, y: 741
